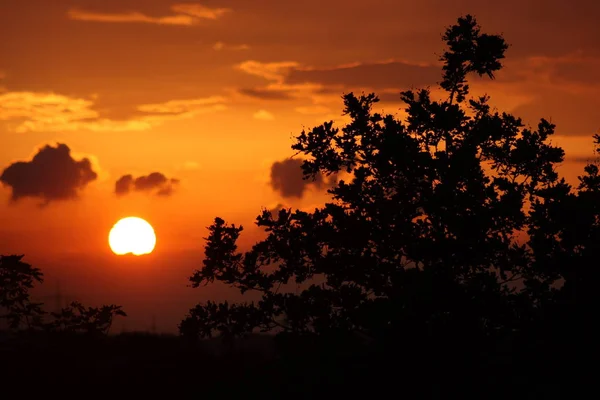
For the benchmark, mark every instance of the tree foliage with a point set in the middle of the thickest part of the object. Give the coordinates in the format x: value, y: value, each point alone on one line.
x: 76, y: 318
x: 16, y: 279
x: 454, y: 217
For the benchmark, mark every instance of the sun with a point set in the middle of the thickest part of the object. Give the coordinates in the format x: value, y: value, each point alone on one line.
x: 132, y: 235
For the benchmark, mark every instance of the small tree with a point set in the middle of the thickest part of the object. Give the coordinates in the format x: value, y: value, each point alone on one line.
x: 16, y: 279
x: 77, y: 318
x: 425, y: 234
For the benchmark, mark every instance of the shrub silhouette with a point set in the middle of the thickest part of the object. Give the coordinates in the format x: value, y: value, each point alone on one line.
x: 76, y: 318
x: 18, y: 277
x: 453, y: 221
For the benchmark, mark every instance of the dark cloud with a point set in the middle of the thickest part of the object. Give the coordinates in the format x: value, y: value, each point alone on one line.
x: 393, y: 74
x: 287, y: 178
x: 266, y: 93
x: 52, y: 174
x: 123, y: 185
x: 153, y: 182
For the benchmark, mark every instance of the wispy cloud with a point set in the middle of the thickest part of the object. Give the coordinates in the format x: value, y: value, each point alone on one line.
x: 200, y: 11
x: 185, y: 106
x: 263, y: 115
x: 275, y: 71
x: 218, y: 46
x: 51, y: 112
x: 184, y: 14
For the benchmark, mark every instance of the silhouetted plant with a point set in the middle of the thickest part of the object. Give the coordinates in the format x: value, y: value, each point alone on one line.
x: 16, y: 279
x: 454, y: 219
x: 76, y: 318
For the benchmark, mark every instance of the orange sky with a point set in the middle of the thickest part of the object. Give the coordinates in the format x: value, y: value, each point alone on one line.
x: 210, y: 94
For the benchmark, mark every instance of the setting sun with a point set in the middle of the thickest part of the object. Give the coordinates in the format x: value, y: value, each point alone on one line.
x: 132, y: 235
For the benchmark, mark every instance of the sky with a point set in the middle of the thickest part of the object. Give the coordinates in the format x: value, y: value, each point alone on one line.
x: 179, y: 112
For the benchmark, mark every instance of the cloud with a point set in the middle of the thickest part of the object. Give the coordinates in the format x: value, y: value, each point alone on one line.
x: 200, y: 11
x: 185, y: 15
x: 189, y: 166
x: 322, y: 87
x: 266, y: 93
x: 44, y: 109
x: 287, y: 178
x: 277, y: 88
x: 52, y: 174
x: 188, y: 107
x: 282, y: 91
x: 218, y: 46
x: 154, y: 182
x: 51, y: 112
x: 130, y: 17
x: 273, y: 71
x: 377, y: 75
x: 263, y: 115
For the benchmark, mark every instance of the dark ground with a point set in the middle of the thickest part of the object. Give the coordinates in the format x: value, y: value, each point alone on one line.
x: 166, y: 366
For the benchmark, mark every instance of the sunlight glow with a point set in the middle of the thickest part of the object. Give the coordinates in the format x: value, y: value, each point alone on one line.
x: 132, y: 235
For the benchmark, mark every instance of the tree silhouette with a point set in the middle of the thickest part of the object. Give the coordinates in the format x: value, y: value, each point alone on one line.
x: 16, y: 279
x: 452, y: 220
x: 76, y: 318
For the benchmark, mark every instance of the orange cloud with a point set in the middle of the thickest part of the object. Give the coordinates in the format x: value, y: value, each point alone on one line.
x: 190, y: 106
x: 263, y: 115
x: 200, y: 11
x: 322, y: 86
x: 223, y: 46
x: 51, y: 112
x: 130, y: 17
x: 185, y: 14
x: 189, y: 166
x: 275, y: 71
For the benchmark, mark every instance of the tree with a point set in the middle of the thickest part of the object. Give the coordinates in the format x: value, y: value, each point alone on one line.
x: 452, y: 220
x: 77, y: 318
x: 16, y: 279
